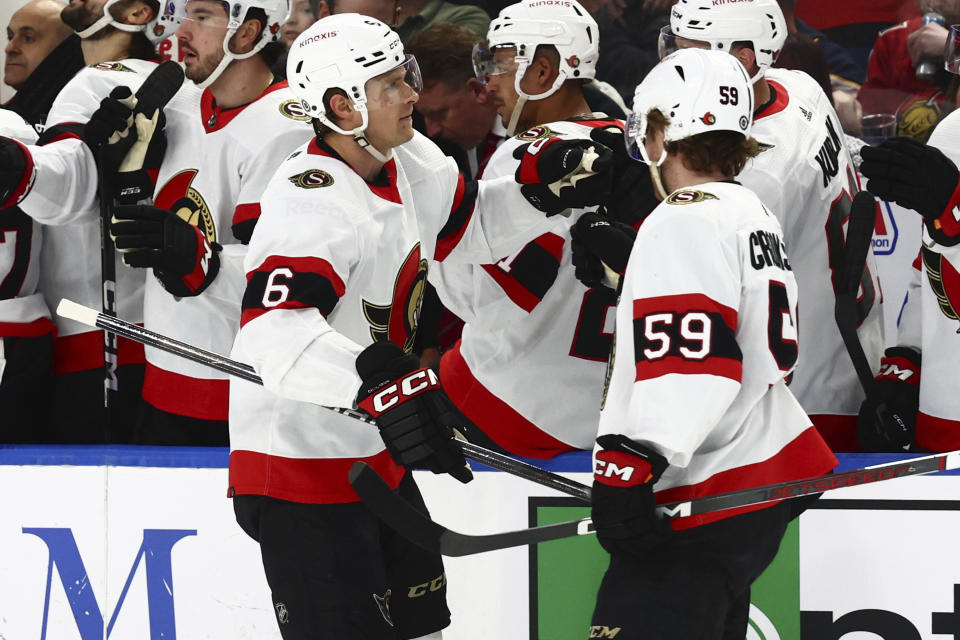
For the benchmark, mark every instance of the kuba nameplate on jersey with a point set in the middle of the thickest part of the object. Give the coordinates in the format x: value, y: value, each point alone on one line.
x: 399, y: 391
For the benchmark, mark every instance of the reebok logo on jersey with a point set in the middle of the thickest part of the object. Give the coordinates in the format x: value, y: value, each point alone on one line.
x: 689, y: 196
x: 294, y: 110
x: 312, y: 179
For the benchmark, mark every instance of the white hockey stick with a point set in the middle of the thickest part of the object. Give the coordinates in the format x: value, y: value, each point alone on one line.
x: 90, y: 317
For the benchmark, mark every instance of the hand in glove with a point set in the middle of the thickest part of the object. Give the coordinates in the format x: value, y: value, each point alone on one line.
x: 888, y: 416
x: 415, y: 416
x: 182, y: 258
x: 599, y: 242
x: 558, y: 174
x: 918, y: 177
x: 16, y: 172
x: 631, y: 197
x: 623, y: 509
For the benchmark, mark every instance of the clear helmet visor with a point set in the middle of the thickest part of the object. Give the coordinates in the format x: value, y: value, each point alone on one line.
x: 395, y: 86
x: 670, y: 42
x: 951, y: 50
x: 493, y: 61
x: 635, y: 137
x: 203, y: 13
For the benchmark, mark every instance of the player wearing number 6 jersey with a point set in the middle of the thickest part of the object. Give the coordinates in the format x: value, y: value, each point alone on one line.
x: 804, y: 174
x: 335, y: 272
x: 697, y: 402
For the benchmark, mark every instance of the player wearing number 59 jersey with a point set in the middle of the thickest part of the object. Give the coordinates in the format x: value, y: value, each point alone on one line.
x: 805, y: 176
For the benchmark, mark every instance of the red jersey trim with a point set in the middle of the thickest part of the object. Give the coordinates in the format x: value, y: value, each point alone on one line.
x: 461, y: 212
x: 317, y: 266
x: 805, y: 456
x: 32, y: 329
x: 214, y: 118
x: 84, y: 351
x: 198, y: 398
x: 779, y: 103
x: 307, y: 480
x: 388, y: 191
x: 26, y: 180
x: 245, y: 212
x: 522, y: 296
x: 839, y: 432
x: 496, y: 418
x: 937, y: 434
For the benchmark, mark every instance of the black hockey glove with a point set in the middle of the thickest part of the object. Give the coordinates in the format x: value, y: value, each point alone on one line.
x: 558, y: 174
x: 631, y: 197
x: 889, y: 414
x: 181, y: 256
x: 918, y: 177
x: 599, y: 241
x: 111, y: 122
x: 623, y: 510
x: 415, y: 416
x: 16, y: 172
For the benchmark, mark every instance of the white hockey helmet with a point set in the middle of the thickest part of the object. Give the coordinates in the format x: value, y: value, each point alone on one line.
x: 759, y: 22
x: 163, y: 25
x: 277, y: 12
x: 698, y: 91
x: 565, y: 24
x: 108, y: 19
x: 344, y: 51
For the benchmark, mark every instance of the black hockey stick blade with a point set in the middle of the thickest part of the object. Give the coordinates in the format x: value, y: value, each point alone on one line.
x: 159, y: 87
x: 424, y: 532
x: 417, y: 527
x: 863, y: 215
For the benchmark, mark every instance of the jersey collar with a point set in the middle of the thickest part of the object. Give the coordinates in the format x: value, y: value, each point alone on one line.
x: 215, y: 118
x: 383, y: 186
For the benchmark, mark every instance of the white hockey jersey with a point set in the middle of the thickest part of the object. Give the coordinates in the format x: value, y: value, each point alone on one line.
x: 335, y: 264
x: 931, y: 322
x: 532, y: 331
x: 64, y: 196
x: 23, y: 313
x: 218, y: 162
x: 703, y: 347
x: 804, y: 174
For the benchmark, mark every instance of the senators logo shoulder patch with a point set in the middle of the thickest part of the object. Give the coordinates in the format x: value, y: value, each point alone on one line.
x: 112, y: 66
x: 536, y: 133
x: 689, y: 196
x: 312, y: 179
x: 294, y: 110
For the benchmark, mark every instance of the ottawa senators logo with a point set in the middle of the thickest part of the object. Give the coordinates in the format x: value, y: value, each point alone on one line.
x: 159, y: 30
x: 573, y: 61
x: 312, y: 179
x: 708, y: 119
x: 178, y: 196
x: 294, y: 110
x: 397, y: 321
x: 112, y: 66
x: 536, y: 133
x: 945, y: 282
x: 689, y: 196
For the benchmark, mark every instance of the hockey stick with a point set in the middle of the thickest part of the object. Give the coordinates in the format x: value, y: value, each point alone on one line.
x: 412, y: 524
x: 90, y: 317
x: 155, y: 92
x: 863, y: 217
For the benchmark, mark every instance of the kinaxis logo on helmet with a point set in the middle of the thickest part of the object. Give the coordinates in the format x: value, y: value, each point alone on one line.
x: 178, y: 196
x: 397, y: 321
x: 551, y: 3
x: 317, y: 38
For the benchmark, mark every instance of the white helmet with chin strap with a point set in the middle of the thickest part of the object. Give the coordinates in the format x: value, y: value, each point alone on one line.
x: 344, y: 51
x: 277, y: 12
x: 699, y: 91
x: 526, y: 25
x: 108, y: 19
x: 759, y: 22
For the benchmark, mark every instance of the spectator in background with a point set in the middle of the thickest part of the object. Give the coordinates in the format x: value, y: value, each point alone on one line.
x: 628, y: 40
x: 893, y: 85
x: 386, y: 11
x: 303, y: 13
x: 41, y: 56
x: 417, y: 15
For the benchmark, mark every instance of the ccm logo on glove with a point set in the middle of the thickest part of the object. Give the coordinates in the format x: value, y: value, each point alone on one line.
x: 400, y: 390
x: 620, y: 469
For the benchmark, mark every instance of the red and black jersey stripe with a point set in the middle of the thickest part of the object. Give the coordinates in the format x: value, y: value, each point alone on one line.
x: 291, y: 283
x: 528, y: 277
x: 686, y: 334
x: 464, y: 201
x: 62, y: 131
x: 245, y: 218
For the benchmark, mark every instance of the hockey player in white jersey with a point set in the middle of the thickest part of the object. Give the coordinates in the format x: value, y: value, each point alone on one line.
x: 914, y: 402
x: 805, y: 176
x: 697, y: 401
x: 335, y: 272
x: 527, y: 317
x: 62, y: 193
x: 226, y: 133
x: 26, y: 330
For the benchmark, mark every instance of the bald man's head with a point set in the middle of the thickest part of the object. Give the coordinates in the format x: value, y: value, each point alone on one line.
x: 34, y: 31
